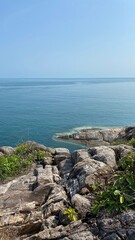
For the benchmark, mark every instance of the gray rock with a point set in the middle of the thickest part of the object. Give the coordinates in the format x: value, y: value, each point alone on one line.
x: 32, y: 204
x: 55, y: 170
x: 85, y: 172
x: 109, y: 135
x: 17, y: 191
x: 41, y: 193
x: 95, y: 137
x: 45, y: 175
x: 74, y: 231
x: 7, y: 150
x: 72, y: 186
x: 36, y: 146
x: 56, y: 178
x: 129, y: 133
x: 51, y: 222
x: 56, y: 201
x: 86, y: 168
x: 81, y: 204
x: 48, y: 160
x: 58, y: 158
x: 112, y: 236
x: 80, y: 155
x: 122, y: 150
x: 103, y: 154
x: 131, y: 234
x: 127, y: 218
x: 1, y: 154
x: 88, y: 134
x: 62, y: 151
x: 65, y: 166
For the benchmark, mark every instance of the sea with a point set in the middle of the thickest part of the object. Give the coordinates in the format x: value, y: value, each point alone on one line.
x: 39, y: 109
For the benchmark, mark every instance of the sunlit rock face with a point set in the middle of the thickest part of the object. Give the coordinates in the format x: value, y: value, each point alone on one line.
x: 32, y: 205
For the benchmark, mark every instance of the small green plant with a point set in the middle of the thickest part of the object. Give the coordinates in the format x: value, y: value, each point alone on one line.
x: 119, y: 194
x: 41, y: 154
x: 132, y: 142
x: 23, y: 149
x: 71, y: 213
x: 13, y: 165
x: 127, y: 163
x: 119, y: 141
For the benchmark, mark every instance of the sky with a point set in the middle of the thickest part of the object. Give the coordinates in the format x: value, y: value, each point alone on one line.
x: 67, y: 38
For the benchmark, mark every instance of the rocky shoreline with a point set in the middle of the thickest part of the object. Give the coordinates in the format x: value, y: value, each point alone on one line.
x: 98, y: 136
x: 32, y: 205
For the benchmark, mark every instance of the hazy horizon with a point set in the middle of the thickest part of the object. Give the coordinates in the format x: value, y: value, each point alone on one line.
x: 67, y: 39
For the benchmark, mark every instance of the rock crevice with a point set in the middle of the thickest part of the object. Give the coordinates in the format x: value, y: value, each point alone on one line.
x: 33, y: 204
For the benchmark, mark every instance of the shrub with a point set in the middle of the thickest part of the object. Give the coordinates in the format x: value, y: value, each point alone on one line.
x: 25, y: 155
x: 41, y: 154
x: 26, y: 149
x: 132, y: 142
x: 13, y: 165
x: 23, y: 149
x: 119, y: 141
x: 119, y: 194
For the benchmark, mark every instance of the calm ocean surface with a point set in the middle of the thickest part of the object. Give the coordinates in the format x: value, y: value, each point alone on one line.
x: 37, y: 109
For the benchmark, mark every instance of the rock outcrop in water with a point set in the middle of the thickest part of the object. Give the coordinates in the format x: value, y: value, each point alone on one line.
x: 99, y: 136
x: 32, y: 205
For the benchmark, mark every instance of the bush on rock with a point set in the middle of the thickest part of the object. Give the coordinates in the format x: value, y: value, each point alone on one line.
x: 23, y: 158
x: 119, y: 194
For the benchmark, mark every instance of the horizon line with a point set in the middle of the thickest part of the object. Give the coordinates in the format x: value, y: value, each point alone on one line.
x: 66, y: 77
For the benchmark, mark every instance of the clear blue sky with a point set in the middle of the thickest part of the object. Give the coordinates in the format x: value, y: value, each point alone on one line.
x: 67, y: 38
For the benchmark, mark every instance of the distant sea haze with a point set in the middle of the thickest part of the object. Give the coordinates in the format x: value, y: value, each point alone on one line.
x: 38, y: 109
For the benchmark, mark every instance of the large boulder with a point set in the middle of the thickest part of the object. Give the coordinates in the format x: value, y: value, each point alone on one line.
x: 86, y: 171
x: 119, y: 227
x: 103, y: 154
x: 56, y: 201
x: 7, y: 150
x: 81, y: 204
x: 122, y: 150
x: 61, y: 154
x: 74, y: 231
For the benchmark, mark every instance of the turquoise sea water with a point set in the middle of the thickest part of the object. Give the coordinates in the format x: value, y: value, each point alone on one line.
x: 37, y: 109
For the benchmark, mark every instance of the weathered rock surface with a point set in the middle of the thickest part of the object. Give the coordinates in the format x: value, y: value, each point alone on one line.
x: 74, y: 231
x: 32, y: 205
x: 120, y: 227
x: 122, y: 150
x: 7, y: 150
x: 103, y: 154
x: 86, y: 170
x: 99, y: 136
x: 81, y: 204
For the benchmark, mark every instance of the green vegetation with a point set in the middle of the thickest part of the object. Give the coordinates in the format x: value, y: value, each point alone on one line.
x: 26, y: 149
x: 20, y: 161
x: 119, y: 194
x: 124, y: 141
x: 119, y: 141
x: 71, y: 213
x: 132, y: 142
